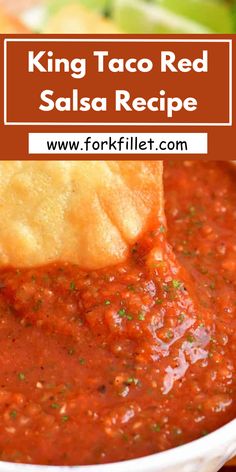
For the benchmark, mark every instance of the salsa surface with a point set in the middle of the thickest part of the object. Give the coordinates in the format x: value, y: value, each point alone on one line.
x: 120, y: 363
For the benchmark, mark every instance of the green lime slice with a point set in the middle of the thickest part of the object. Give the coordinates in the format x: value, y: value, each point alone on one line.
x: 102, y: 6
x: 139, y: 16
x: 213, y: 14
x: 234, y: 17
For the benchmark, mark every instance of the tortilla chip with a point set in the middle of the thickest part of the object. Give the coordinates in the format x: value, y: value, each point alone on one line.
x: 77, y: 19
x: 84, y: 212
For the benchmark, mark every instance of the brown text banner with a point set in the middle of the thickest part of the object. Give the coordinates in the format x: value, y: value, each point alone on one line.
x: 121, y: 84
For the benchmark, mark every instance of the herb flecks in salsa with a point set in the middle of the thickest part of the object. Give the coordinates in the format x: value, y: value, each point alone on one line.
x: 119, y: 363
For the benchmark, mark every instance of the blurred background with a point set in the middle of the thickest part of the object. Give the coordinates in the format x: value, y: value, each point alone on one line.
x: 128, y: 16
x: 119, y: 16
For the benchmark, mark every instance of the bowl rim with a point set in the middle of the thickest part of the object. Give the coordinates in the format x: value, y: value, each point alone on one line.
x: 217, y: 440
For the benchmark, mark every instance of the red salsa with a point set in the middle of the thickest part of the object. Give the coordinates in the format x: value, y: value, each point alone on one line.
x: 109, y: 365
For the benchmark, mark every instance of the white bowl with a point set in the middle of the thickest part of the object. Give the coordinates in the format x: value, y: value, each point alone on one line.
x: 207, y: 454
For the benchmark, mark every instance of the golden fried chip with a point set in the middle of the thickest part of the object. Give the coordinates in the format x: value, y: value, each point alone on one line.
x: 84, y: 212
x: 77, y: 19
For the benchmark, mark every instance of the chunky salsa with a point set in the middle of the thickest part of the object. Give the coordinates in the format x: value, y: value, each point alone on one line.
x: 123, y: 362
